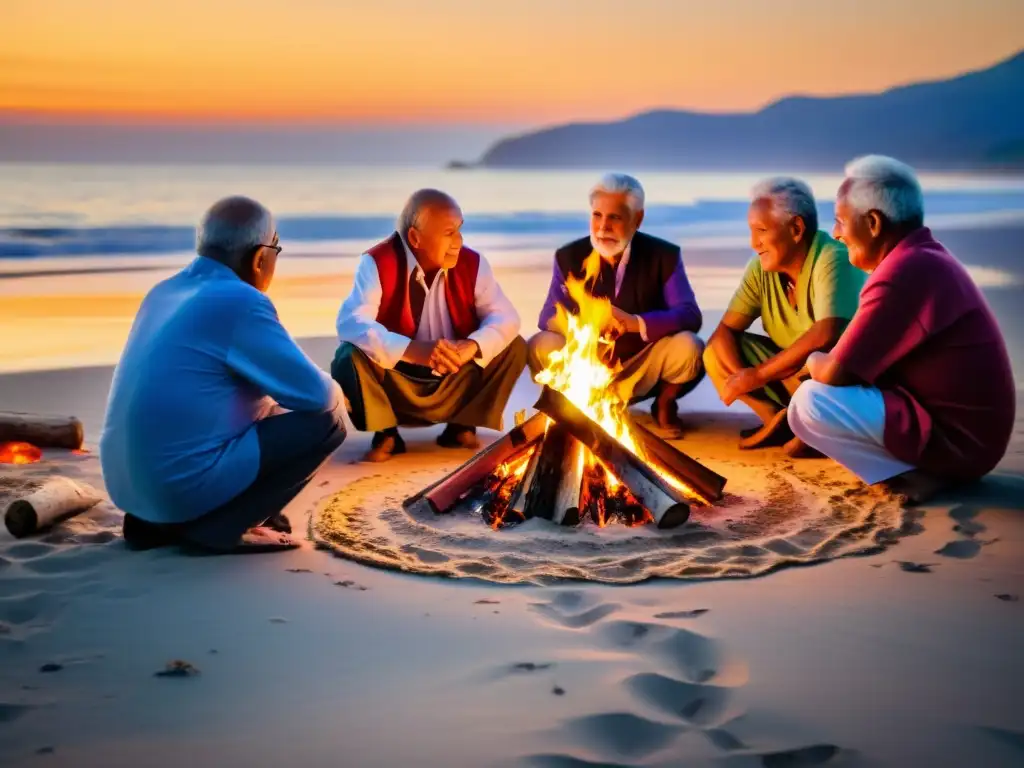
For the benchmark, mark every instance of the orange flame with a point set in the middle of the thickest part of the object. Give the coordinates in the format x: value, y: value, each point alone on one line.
x: 581, y: 373
x: 579, y: 370
x: 19, y: 453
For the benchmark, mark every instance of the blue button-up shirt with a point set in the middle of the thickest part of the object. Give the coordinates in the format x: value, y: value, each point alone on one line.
x: 206, y: 358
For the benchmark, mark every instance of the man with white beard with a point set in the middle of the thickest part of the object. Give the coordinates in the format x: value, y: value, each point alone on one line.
x: 655, y: 317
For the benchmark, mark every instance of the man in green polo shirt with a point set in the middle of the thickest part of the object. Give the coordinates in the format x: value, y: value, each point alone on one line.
x: 804, y: 290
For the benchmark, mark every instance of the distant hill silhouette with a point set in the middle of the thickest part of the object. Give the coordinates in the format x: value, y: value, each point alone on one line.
x: 975, y: 120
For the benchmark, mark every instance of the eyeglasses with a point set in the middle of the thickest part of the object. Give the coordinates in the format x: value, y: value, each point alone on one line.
x: 275, y: 248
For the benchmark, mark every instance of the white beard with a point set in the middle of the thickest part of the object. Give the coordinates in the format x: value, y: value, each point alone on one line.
x: 608, y: 251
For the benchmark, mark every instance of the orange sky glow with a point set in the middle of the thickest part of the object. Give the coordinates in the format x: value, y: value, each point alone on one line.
x: 473, y: 61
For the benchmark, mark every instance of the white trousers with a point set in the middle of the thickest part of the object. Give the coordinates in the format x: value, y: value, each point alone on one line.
x: 846, y: 424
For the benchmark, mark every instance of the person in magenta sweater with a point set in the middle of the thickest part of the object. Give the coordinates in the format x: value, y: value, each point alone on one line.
x: 919, y: 393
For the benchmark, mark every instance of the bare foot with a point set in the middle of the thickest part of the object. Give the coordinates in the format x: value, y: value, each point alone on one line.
x: 916, y: 487
x: 261, y: 539
x: 773, y: 432
x: 457, y: 436
x: 798, y: 449
x: 667, y: 422
x: 384, y: 446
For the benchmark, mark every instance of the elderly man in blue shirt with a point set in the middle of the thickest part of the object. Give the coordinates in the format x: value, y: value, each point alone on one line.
x: 216, y: 418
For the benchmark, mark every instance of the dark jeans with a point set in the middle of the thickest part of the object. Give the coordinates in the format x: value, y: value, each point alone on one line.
x: 293, y: 446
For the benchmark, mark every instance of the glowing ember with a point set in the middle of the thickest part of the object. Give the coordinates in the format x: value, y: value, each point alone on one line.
x: 606, y: 500
x: 492, y: 500
x: 19, y: 453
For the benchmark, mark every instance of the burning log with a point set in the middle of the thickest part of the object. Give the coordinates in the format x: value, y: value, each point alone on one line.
x: 442, y: 495
x: 554, y: 490
x: 562, y: 465
x: 55, y: 501
x: 606, y: 500
x: 668, y: 505
x: 42, y: 431
x: 517, y: 504
x: 707, y: 483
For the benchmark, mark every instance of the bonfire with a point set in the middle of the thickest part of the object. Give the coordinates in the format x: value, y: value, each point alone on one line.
x: 582, y: 457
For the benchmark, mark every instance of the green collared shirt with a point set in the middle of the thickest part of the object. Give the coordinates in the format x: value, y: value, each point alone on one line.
x: 829, y: 286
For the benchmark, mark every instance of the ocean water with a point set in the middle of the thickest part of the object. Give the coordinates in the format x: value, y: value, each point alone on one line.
x: 134, y: 211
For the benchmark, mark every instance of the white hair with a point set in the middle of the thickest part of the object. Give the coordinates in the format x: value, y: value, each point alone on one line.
x: 790, y: 197
x: 231, y: 228
x: 884, y: 184
x: 417, y: 201
x: 617, y: 184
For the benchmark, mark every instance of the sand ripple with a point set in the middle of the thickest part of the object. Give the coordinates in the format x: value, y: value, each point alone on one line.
x: 776, y: 513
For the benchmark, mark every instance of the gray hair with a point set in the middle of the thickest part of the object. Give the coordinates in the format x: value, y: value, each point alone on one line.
x: 232, y: 228
x: 617, y: 184
x: 884, y: 184
x: 418, y: 200
x: 789, y: 196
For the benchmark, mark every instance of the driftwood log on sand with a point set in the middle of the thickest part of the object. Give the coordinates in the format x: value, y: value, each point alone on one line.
x: 42, y: 431
x: 58, y: 499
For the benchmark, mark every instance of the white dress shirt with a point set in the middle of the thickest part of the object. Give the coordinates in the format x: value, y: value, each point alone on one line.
x: 357, y: 318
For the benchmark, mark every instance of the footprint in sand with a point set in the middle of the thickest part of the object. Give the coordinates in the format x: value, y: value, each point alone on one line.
x: 700, y: 659
x: 695, y: 687
x: 569, y: 609
x: 27, y: 611
x: 571, y: 599
x: 692, y: 703
x: 633, y: 634
x: 623, y: 734
x: 691, y: 688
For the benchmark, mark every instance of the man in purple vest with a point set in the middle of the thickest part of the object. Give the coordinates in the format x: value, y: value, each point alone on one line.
x: 427, y: 335
x: 655, y: 315
x: 918, y: 394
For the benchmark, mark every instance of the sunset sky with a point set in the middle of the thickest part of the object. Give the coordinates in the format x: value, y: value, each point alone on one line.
x: 525, y: 62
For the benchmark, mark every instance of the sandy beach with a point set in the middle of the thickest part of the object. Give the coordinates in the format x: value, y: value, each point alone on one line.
x: 828, y: 627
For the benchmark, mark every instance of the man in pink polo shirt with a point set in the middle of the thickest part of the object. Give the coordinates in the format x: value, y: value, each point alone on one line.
x: 918, y: 393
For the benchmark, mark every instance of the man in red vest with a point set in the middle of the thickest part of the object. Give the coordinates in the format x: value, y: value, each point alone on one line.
x: 427, y: 335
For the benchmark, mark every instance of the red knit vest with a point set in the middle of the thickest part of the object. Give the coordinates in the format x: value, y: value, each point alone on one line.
x: 395, y: 312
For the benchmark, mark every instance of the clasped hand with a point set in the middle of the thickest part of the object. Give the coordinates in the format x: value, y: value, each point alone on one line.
x: 443, y: 356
